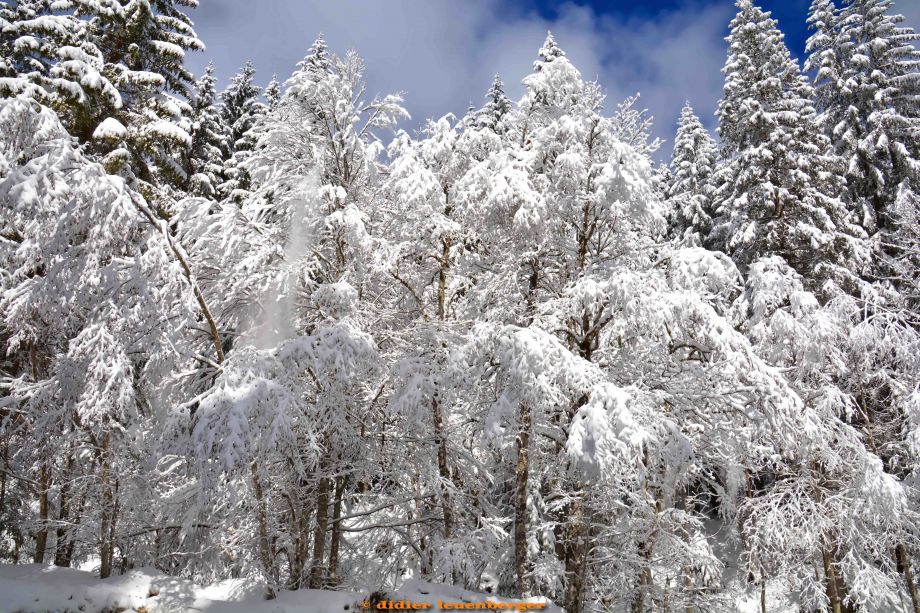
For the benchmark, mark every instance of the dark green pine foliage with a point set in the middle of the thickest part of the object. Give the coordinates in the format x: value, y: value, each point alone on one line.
x: 18, y: 60
x: 143, y: 45
x: 120, y: 62
x: 203, y: 159
x: 778, y: 190
x: 239, y: 111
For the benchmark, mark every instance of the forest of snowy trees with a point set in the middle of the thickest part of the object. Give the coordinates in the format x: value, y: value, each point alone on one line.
x: 269, y: 333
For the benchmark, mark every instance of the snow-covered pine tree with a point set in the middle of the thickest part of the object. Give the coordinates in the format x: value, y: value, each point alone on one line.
x: 28, y: 60
x: 317, y: 61
x: 549, y: 52
x: 115, y: 73
x: 778, y: 189
x: 240, y: 110
x: 869, y: 84
x: 202, y: 160
x: 273, y: 93
x: 690, y: 189
x: 492, y: 115
x: 781, y: 221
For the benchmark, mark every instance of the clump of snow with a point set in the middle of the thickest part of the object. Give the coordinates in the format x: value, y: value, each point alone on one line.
x: 704, y: 271
x: 111, y: 128
x: 336, y: 299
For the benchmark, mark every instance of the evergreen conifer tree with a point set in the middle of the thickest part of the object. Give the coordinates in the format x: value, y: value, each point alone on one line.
x: 692, y: 165
x: 273, y: 93
x: 778, y: 190
x: 202, y: 161
x: 549, y: 52
x: 239, y: 111
x: 317, y: 61
x: 869, y: 85
x: 115, y: 73
x: 493, y: 115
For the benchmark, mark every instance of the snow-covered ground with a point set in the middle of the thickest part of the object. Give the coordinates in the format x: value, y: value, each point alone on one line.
x: 42, y: 588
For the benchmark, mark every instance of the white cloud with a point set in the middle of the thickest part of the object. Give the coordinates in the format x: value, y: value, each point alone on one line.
x: 444, y: 53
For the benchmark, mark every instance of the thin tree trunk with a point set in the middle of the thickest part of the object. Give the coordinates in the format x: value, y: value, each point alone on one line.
x: 6, y: 457
x: 60, y: 553
x: 72, y: 541
x: 442, y: 281
x: 575, y: 551
x: 340, y: 484
x: 521, y: 566
x: 443, y: 467
x: 264, y: 545
x: 319, y: 540
x: 300, y: 528
x: 105, y: 568
x: 109, y: 516
x: 908, y: 576
x: 830, y: 580
x: 41, y: 539
x: 645, y: 577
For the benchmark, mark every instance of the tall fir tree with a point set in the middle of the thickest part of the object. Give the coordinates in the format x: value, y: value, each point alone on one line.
x: 869, y: 84
x: 202, y: 161
x: 690, y: 187
x: 273, y: 93
x: 494, y: 114
x: 115, y: 72
x: 778, y: 190
x: 240, y: 110
x: 317, y: 61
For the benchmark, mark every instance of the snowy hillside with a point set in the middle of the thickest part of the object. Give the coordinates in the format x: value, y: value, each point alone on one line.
x: 41, y: 588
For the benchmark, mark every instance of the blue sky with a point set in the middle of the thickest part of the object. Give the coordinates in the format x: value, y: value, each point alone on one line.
x: 444, y: 53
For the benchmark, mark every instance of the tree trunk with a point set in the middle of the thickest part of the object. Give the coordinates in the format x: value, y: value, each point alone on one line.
x: 645, y: 576
x: 904, y: 562
x: 41, y: 539
x: 521, y: 567
x: 340, y: 484
x: 105, y: 561
x: 575, y: 551
x: 319, y: 540
x: 265, y: 552
x: 831, y: 580
x: 72, y: 541
x: 442, y: 281
x: 6, y: 458
x: 443, y: 468
x: 60, y: 553
x: 301, y: 528
x: 109, y: 521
